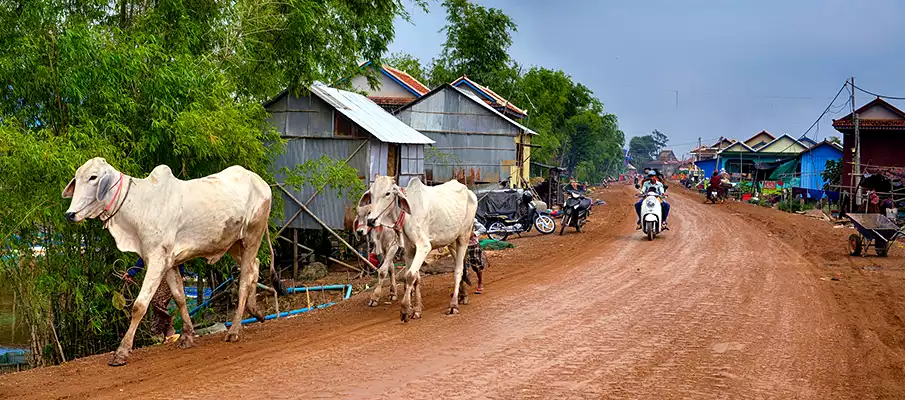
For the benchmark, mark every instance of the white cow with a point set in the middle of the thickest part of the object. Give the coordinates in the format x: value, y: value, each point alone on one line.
x: 430, y: 217
x: 387, y: 243
x: 168, y: 221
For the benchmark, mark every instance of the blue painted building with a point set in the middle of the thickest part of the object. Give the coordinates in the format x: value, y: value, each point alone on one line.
x: 813, y: 163
x: 708, y: 166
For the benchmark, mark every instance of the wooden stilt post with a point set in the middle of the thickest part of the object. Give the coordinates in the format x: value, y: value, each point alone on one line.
x: 295, y: 256
x: 324, y: 225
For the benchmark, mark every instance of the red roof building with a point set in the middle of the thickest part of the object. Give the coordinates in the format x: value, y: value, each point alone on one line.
x: 395, y: 89
x: 882, y: 130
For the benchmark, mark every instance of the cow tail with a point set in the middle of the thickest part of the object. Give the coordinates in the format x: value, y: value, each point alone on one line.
x: 274, y: 276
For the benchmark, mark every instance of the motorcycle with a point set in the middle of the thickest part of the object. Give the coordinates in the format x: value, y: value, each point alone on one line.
x: 499, y: 227
x: 575, y: 211
x: 713, y: 195
x: 651, y: 214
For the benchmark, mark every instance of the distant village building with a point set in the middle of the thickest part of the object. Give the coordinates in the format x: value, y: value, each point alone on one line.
x: 666, y: 163
x: 344, y: 126
x: 813, y: 163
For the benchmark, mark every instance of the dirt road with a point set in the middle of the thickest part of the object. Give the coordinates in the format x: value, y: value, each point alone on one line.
x: 739, y: 309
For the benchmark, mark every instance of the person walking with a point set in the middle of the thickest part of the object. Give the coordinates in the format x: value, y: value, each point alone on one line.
x: 162, y: 322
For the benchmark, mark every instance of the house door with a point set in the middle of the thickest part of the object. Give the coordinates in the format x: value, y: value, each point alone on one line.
x: 392, y: 159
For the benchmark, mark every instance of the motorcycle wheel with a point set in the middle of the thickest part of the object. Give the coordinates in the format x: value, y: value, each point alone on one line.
x: 500, y: 233
x: 545, y: 224
x: 650, y: 230
x: 578, y: 226
x: 565, y: 223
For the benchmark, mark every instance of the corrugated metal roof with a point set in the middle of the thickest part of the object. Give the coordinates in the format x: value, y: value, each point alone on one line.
x: 369, y: 115
x: 489, y: 107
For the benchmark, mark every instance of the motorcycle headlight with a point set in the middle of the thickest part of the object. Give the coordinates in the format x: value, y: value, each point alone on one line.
x: 650, y: 203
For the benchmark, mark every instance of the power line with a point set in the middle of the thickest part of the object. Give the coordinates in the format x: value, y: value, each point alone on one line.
x: 879, y: 95
x: 820, y: 117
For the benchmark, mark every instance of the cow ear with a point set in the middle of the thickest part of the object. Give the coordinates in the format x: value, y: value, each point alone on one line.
x: 70, y: 189
x: 365, y: 199
x: 403, y: 203
x: 103, y: 186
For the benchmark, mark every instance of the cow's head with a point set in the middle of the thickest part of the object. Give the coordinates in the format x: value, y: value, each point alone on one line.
x: 387, y: 202
x: 91, y: 189
x: 361, y: 216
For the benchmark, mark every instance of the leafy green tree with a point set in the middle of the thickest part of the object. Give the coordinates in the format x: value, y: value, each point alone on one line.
x: 142, y: 84
x: 644, y: 149
x: 477, y: 45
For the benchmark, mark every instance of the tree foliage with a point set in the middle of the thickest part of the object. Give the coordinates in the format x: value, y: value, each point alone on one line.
x: 142, y: 84
x: 832, y: 174
x: 644, y: 149
x: 574, y: 131
x: 408, y: 63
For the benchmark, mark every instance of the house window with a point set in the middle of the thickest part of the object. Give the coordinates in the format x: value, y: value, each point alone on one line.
x: 344, y: 127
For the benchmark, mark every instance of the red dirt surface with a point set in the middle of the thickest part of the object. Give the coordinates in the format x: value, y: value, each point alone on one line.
x: 736, y: 301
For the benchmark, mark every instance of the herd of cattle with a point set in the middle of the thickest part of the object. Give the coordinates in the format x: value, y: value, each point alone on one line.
x: 168, y: 221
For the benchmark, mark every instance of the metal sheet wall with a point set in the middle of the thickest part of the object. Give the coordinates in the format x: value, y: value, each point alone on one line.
x: 473, y: 143
x: 327, y: 206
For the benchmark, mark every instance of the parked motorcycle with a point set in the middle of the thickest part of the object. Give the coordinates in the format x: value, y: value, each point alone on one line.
x: 651, y: 214
x: 499, y: 227
x: 575, y: 212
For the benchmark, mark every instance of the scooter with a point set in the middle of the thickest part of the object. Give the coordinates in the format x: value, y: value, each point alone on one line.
x: 575, y: 211
x: 651, y: 214
x: 499, y: 227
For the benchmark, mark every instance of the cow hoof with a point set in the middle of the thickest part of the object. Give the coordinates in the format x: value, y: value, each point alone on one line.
x: 392, y: 297
x: 453, y: 310
x: 186, y: 341
x: 118, y: 360
x: 403, y: 316
x: 416, y: 315
x: 232, y: 337
x: 372, y: 303
x: 463, y: 300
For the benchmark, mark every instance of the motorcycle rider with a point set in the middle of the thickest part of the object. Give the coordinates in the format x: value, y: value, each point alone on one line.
x: 653, y: 184
x: 716, y: 183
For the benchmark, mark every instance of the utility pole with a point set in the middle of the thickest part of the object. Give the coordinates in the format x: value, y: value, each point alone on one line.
x: 856, y: 166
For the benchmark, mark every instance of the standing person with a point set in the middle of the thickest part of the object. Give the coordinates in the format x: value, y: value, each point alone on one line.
x: 162, y: 324
x: 475, y: 260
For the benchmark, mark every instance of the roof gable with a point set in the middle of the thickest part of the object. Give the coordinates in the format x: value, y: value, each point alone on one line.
x: 807, y: 141
x: 471, y: 96
x: 878, y: 114
x: 783, y: 144
x: 724, y: 143
x: 738, y: 147
x: 762, y: 136
x: 825, y: 144
x: 489, y: 95
x: 399, y: 77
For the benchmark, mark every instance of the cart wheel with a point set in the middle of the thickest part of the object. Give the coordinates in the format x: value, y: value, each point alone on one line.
x: 854, y: 245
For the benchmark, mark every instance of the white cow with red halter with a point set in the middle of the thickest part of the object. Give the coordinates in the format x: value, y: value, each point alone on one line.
x: 429, y: 217
x: 168, y: 221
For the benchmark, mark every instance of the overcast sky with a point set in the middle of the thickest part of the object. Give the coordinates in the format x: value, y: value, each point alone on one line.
x: 738, y: 69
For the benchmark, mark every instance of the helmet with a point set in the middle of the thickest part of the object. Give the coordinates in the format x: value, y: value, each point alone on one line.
x: 527, y: 196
